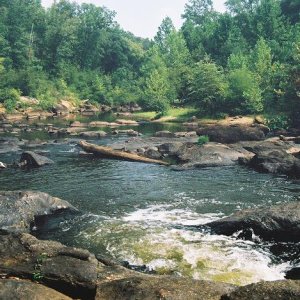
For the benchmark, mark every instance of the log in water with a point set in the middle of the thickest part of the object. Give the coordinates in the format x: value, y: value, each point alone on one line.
x: 109, y: 152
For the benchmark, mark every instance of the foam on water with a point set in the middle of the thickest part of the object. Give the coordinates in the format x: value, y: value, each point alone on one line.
x: 151, y: 237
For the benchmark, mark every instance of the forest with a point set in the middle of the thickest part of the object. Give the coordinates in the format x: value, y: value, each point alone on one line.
x: 243, y: 61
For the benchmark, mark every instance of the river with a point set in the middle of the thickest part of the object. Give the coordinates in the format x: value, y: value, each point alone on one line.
x: 147, y: 214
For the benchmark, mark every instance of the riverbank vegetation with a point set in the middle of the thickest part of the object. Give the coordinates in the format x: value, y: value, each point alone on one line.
x: 243, y: 61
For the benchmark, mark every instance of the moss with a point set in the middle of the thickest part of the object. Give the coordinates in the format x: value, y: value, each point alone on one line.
x: 186, y: 269
x: 164, y: 271
x: 235, y: 277
x: 147, y: 252
x: 175, y: 254
x: 201, y: 264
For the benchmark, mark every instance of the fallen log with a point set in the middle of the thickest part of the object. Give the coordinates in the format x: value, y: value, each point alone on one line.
x: 109, y: 152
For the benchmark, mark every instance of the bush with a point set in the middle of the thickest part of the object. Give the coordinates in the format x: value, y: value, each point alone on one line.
x: 244, y: 92
x: 10, y: 98
x: 203, y: 139
x: 278, y: 122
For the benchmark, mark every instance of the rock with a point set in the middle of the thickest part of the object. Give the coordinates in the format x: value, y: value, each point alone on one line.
x: 8, y: 145
x: 34, y: 160
x: 32, y: 115
x: 210, y: 154
x: 293, y: 274
x: 2, y: 165
x: 145, y: 287
x: 278, y: 222
x: 274, y: 156
x: 164, y: 134
x: 129, y: 132
x: 70, y: 271
x: 14, y: 117
x: 273, y: 290
x: 71, y: 130
x: 259, y: 120
x: 185, y: 134
x: 103, y: 124
x: 23, y: 210
x: 78, y: 274
x: 124, y: 114
x: 93, y: 134
x: 191, y: 124
x: 127, y: 122
x: 78, y: 124
x: 63, y: 107
x: 231, y: 134
x: 152, y: 153
x: 276, y: 162
x: 170, y: 148
x: 13, y: 289
x: 105, y: 108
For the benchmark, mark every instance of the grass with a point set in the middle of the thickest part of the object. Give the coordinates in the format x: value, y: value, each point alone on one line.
x: 180, y: 114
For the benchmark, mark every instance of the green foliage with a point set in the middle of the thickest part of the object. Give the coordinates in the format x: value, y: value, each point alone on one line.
x: 245, y: 60
x: 244, y: 92
x: 203, y: 139
x: 10, y: 98
x: 37, y: 275
x: 277, y: 122
x: 208, y: 87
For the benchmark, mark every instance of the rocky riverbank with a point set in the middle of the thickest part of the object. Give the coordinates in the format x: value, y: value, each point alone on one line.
x: 32, y: 268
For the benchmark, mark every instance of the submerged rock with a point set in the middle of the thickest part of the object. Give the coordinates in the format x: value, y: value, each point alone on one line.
x: 2, y: 165
x: 267, y: 290
x: 34, y: 160
x: 278, y: 222
x: 21, y: 210
x: 13, y: 289
x: 293, y: 274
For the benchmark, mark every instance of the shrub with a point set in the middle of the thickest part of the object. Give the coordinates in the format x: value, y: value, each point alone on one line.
x: 278, y: 122
x: 10, y: 98
x: 203, y: 139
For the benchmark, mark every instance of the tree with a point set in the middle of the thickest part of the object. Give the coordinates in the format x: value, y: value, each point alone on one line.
x: 164, y: 30
x: 208, y: 87
x: 156, y: 84
x: 244, y: 93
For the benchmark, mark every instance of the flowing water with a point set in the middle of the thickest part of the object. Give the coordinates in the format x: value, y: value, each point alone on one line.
x: 146, y: 214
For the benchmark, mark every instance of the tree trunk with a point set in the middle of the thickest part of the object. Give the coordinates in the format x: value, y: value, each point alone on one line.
x: 108, y: 152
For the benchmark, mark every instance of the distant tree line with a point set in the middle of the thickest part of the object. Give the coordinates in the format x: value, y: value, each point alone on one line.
x: 243, y: 61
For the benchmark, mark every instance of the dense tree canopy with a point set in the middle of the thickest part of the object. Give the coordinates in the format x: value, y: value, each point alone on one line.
x: 245, y: 60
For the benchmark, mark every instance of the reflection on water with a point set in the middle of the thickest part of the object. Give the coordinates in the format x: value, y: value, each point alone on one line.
x: 141, y: 213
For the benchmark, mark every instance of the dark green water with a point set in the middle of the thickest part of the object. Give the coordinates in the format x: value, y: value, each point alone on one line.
x: 140, y: 213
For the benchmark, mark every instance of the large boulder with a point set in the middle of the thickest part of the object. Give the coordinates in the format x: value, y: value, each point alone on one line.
x: 69, y: 270
x: 33, y: 160
x: 23, y: 210
x: 276, y: 162
x: 210, y: 154
x: 273, y: 156
x: 13, y: 289
x: 232, y: 134
x: 281, y: 289
x: 278, y: 222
